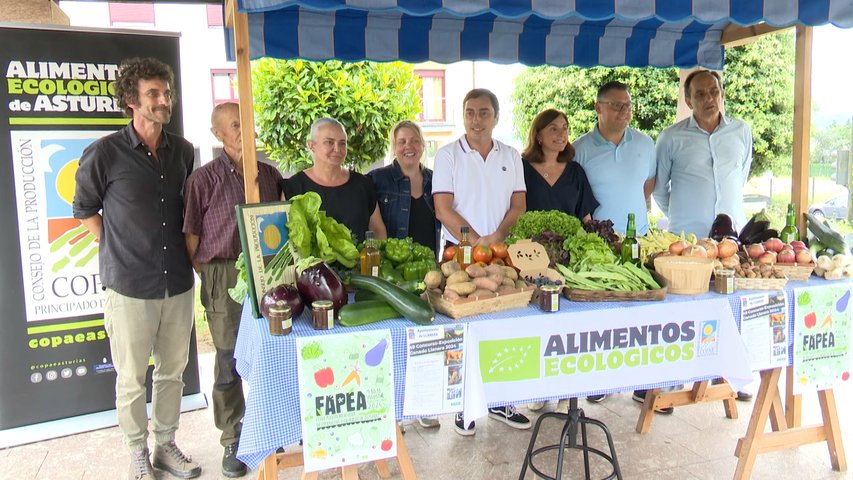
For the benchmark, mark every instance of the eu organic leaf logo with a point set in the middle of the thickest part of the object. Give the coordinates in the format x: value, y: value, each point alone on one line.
x: 509, y: 360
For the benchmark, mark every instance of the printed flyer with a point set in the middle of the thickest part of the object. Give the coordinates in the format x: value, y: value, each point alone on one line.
x: 346, y: 397
x: 764, y: 329
x: 821, y: 337
x: 435, y: 357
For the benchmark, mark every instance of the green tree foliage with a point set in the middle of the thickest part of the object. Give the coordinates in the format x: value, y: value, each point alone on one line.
x: 573, y: 89
x: 826, y: 142
x: 367, y: 97
x: 758, y: 83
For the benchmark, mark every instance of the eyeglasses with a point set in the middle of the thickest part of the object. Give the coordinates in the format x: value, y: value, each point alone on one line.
x: 619, y: 106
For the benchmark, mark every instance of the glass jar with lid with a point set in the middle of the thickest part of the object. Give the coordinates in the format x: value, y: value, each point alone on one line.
x: 323, y: 315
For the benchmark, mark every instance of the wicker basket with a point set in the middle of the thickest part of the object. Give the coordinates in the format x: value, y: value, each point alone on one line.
x: 796, y: 272
x: 473, y: 306
x: 742, y: 283
x: 578, y: 295
x: 685, y: 275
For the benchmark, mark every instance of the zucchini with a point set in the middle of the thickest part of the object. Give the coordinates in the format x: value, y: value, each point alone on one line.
x: 362, y: 313
x: 406, y: 304
x: 412, y: 286
x: 825, y: 234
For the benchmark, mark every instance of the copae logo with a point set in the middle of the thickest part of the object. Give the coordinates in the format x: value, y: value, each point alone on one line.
x: 594, y: 350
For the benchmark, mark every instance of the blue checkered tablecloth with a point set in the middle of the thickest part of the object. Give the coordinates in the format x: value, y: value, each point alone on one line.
x: 268, y: 364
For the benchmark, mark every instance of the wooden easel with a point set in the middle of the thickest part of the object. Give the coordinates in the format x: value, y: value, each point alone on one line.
x: 702, y: 391
x: 279, y: 461
x: 787, y: 432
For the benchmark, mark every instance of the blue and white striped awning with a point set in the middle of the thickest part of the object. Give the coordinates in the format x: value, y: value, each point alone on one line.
x: 661, y: 33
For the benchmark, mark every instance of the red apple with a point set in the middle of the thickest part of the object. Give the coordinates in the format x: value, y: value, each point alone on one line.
x: 798, y: 244
x: 767, y: 258
x: 774, y: 245
x: 755, y: 250
x: 804, y: 257
x: 786, y: 256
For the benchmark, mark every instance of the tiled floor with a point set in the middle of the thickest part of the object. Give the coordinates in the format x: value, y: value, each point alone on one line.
x: 696, y: 442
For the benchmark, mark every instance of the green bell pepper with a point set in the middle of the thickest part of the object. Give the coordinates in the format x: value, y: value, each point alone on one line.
x: 421, y: 252
x: 389, y: 273
x: 398, y: 251
x: 416, y: 270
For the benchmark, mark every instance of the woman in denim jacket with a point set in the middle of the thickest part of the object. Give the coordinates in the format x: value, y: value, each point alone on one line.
x: 404, y: 188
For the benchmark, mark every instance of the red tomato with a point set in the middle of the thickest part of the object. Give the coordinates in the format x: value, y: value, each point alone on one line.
x: 499, y: 250
x: 449, y: 253
x: 482, y: 253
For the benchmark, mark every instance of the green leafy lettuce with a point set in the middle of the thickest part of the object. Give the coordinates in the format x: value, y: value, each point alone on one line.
x: 533, y: 223
x: 314, y: 234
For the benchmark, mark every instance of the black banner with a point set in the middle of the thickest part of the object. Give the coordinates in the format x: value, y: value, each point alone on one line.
x: 57, y: 98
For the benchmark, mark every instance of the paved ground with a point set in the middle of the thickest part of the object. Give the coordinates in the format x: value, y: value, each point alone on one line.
x: 695, y: 443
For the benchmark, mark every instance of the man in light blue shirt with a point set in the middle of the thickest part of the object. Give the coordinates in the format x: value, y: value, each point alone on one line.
x: 619, y: 161
x: 703, y: 161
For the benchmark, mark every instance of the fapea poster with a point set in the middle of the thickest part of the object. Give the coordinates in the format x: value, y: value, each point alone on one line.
x: 346, y: 397
x: 821, y: 337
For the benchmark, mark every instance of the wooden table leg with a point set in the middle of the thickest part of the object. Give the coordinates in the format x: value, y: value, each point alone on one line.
x: 407, y: 469
x: 309, y: 475
x: 382, y: 468
x: 793, y: 403
x: 647, y: 411
x: 833, y: 430
x: 748, y: 446
x: 349, y: 472
x: 269, y: 469
x: 778, y: 422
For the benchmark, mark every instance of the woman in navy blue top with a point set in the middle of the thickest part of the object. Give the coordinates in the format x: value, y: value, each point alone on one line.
x: 554, y: 181
x: 404, y: 188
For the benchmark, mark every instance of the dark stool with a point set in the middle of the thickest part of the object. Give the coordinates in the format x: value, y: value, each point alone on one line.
x: 568, y: 439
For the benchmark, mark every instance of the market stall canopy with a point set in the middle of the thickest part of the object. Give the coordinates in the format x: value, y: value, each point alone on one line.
x: 682, y: 33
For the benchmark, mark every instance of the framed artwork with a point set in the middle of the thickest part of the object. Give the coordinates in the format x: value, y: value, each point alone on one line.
x: 263, y: 234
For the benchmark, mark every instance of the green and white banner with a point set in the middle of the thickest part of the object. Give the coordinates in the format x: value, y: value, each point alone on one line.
x: 574, y: 353
x: 821, y: 337
x: 346, y: 399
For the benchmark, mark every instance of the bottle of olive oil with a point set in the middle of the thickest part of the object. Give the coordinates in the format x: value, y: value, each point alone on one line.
x: 630, y: 245
x: 464, y: 250
x: 369, y: 256
x: 790, y: 232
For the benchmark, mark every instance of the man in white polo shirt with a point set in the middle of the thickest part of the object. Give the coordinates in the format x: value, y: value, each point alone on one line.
x: 478, y: 183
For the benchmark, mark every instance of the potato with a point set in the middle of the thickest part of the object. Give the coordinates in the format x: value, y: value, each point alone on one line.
x: 520, y: 284
x: 462, y: 288
x: 506, y: 290
x: 449, y: 268
x: 457, y: 277
x: 486, y: 283
x: 508, y: 282
x: 475, y: 271
x: 433, y: 279
x: 482, y: 294
x: 495, y: 270
x: 510, y: 272
x: 451, y: 295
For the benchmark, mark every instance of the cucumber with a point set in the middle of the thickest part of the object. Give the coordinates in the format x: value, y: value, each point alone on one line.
x: 362, y: 313
x: 406, y: 304
x: 364, y: 295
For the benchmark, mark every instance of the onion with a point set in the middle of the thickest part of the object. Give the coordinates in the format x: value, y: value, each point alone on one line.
x: 727, y: 247
x: 694, y: 251
x: 284, y: 293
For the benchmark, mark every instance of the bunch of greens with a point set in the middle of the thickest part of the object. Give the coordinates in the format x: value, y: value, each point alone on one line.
x: 587, y: 249
x: 313, y: 234
x: 530, y: 224
x: 603, y: 228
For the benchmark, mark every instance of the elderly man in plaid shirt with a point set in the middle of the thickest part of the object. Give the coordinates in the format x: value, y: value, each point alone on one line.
x: 210, y: 228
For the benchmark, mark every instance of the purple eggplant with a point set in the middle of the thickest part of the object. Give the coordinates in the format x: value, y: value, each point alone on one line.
x: 722, y: 227
x: 319, y: 282
x: 284, y: 293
